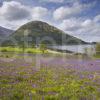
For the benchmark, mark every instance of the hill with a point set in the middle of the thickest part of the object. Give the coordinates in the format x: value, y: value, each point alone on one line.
x: 35, y: 31
x: 5, y: 32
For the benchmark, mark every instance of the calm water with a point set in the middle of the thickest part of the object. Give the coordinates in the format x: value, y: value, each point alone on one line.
x: 77, y: 48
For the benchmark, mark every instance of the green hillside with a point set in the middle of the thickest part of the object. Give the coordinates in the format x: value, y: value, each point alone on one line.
x: 35, y: 31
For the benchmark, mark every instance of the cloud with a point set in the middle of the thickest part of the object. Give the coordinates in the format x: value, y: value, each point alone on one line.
x: 14, y: 14
x: 14, y: 11
x: 39, y: 12
x: 52, y: 1
x: 57, y: 1
x: 70, y: 24
x: 97, y: 18
x: 87, y: 23
x: 67, y: 11
x: 86, y: 29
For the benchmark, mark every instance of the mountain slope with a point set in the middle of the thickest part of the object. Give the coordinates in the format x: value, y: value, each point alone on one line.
x: 37, y: 30
x: 5, y: 32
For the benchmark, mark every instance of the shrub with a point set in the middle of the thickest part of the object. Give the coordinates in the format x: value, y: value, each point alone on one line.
x: 29, y: 52
x: 43, y: 47
x: 4, y: 50
x: 7, y: 56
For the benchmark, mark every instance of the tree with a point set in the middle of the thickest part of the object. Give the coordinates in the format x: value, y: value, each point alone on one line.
x: 33, y: 45
x: 43, y: 47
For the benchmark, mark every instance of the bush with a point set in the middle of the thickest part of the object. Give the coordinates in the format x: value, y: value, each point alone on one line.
x: 29, y: 52
x: 7, y: 56
x: 4, y: 50
x: 43, y: 47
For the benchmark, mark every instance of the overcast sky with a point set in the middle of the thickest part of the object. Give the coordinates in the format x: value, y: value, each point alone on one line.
x: 80, y: 18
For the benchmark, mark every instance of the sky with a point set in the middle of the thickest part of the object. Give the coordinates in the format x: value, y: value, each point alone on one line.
x: 80, y: 18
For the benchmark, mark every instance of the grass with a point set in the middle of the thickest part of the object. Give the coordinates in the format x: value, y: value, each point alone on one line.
x: 47, y: 83
x: 20, y: 80
x: 20, y: 50
x: 97, y: 56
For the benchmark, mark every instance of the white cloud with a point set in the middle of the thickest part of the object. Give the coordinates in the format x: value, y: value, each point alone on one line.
x: 39, y: 12
x: 97, y: 18
x: 14, y: 11
x: 87, y: 23
x: 86, y: 29
x: 70, y: 24
x: 63, y: 12
x: 53, y: 1
x: 13, y: 14
x: 66, y: 11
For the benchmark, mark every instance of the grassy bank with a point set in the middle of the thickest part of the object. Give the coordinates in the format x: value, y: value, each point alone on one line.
x: 21, y: 50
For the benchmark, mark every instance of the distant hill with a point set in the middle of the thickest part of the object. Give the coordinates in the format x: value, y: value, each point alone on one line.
x: 36, y: 30
x: 5, y: 32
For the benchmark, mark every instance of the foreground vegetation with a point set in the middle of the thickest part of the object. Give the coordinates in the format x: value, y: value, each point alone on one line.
x: 21, y: 50
x: 48, y: 84
x: 55, y: 80
x: 97, y: 56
